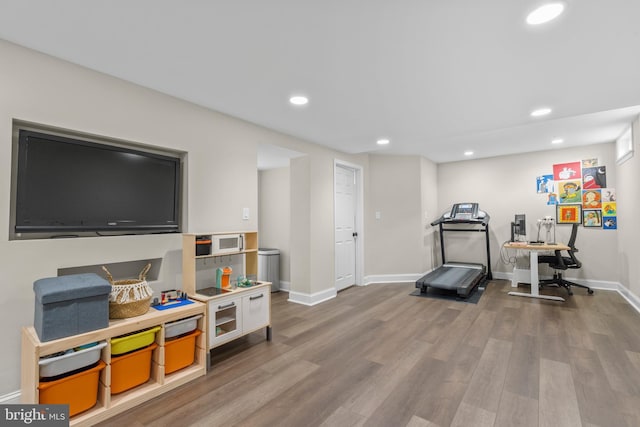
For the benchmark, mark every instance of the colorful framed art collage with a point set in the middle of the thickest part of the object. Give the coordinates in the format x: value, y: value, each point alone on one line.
x: 580, y: 193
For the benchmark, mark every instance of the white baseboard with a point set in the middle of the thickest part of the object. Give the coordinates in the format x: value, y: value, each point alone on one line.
x: 285, y: 286
x: 10, y: 398
x: 312, y: 299
x: 602, y: 285
x: 631, y: 298
x: 499, y: 275
x: 392, y: 278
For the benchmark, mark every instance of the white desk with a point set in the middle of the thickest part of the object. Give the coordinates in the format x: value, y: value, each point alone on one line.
x: 533, y: 260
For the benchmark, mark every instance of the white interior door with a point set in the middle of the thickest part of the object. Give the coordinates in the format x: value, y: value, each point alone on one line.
x: 345, y: 227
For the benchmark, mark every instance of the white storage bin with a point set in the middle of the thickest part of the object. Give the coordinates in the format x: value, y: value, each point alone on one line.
x: 180, y: 327
x: 70, y: 361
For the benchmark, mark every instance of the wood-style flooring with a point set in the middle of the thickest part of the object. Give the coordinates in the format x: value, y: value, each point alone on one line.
x: 376, y: 356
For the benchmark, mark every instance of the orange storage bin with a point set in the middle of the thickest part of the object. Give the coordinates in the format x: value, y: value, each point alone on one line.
x: 180, y: 352
x: 79, y: 390
x: 131, y: 369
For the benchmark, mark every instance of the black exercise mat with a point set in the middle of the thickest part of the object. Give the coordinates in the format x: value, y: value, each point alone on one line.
x: 447, y: 295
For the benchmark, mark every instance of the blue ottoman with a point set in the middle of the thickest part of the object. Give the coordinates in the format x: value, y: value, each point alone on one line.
x: 70, y: 305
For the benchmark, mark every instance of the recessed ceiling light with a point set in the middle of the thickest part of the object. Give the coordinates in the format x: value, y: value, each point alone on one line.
x: 541, y: 112
x: 299, y: 100
x: 468, y: 153
x: 545, y: 13
x: 383, y: 141
x: 557, y: 141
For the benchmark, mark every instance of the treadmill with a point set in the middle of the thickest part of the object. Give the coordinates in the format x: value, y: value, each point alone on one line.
x: 459, y: 276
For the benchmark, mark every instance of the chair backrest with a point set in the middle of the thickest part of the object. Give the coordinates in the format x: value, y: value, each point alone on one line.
x: 572, y: 238
x: 575, y: 263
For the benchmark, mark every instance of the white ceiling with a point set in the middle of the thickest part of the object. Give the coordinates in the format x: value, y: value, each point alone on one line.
x: 436, y: 77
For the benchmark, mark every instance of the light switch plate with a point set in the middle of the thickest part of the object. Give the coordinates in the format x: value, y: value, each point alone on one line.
x: 245, y: 213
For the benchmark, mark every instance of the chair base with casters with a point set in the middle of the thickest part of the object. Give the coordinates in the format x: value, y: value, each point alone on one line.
x: 561, y: 282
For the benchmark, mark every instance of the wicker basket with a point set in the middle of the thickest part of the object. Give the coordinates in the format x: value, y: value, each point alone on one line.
x: 129, y: 297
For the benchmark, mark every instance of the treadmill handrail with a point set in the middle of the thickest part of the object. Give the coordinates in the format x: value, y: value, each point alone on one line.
x: 444, y: 220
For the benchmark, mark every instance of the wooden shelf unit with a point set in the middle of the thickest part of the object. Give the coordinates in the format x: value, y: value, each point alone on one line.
x: 109, y: 405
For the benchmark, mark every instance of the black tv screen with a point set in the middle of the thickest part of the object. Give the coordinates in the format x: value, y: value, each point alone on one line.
x: 70, y: 185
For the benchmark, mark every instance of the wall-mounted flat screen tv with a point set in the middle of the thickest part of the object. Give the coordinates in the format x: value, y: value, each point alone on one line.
x: 67, y: 185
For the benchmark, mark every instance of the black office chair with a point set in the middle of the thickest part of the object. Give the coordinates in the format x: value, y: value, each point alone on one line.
x: 559, y: 263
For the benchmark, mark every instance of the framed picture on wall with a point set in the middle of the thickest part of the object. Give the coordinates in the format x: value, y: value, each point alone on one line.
x: 592, y: 218
x: 609, y: 222
x: 568, y: 214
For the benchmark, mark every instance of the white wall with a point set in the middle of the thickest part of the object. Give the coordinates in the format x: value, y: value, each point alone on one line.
x: 221, y: 175
x: 394, y: 242
x: 430, y: 211
x: 505, y: 186
x: 274, y: 222
x: 628, y: 206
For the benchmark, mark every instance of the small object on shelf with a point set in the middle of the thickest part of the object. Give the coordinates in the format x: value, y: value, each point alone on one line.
x: 203, y: 245
x: 129, y: 297
x: 243, y: 282
x: 218, y: 277
x: 226, y: 273
x: 172, y: 304
x: 170, y: 295
x: 70, y: 305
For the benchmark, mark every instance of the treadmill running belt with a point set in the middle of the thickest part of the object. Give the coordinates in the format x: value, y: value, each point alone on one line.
x: 450, y: 277
x: 459, y: 278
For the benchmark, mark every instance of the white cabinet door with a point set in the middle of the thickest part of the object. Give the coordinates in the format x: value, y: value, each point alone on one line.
x: 225, y: 320
x: 256, y: 311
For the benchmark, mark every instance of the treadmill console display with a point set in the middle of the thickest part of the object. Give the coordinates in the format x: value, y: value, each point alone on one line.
x: 464, y: 211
